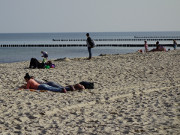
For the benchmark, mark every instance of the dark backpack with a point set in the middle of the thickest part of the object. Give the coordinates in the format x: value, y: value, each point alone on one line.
x: 87, y: 85
x: 92, y: 43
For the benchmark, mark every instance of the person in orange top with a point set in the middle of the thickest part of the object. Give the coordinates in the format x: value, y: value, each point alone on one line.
x: 32, y: 84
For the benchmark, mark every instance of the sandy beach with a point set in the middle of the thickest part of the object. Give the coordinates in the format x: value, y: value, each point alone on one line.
x: 136, y: 93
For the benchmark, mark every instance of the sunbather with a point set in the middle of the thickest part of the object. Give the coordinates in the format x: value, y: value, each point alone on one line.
x: 50, y: 86
x: 54, y: 84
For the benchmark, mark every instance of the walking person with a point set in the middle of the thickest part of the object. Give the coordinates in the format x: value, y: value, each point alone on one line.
x: 174, y: 44
x: 90, y: 45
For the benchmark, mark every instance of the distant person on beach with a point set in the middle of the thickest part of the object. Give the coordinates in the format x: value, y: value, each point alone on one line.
x: 32, y: 84
x: 45, y: 56
x: 174, y: 44
x: 34, y: 63
x: 90, y: 44
x: 146, y: 46
x: 158, y: 48
x: 157, y: 45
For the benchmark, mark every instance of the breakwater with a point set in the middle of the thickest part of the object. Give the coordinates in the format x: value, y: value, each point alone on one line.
x: 78, y: 39
x: 106, y: 42
x: 133, y: 39
x: 78, y: 45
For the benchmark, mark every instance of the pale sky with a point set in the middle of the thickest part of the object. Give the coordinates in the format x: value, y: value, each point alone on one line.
x: 29, y: 16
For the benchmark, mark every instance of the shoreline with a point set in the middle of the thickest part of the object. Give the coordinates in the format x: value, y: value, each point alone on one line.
x: 21, y: 54
x: 135, y: 93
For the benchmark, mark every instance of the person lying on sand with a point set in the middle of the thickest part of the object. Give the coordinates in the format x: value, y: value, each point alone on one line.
x: 32, y: 84
x: 54, y: 84
x: 34, y: 63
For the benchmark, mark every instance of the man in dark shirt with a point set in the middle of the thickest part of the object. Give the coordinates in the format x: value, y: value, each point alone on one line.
x: 88, y: 41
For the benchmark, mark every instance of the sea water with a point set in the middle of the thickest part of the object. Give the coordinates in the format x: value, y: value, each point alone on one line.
x: 17, y: 54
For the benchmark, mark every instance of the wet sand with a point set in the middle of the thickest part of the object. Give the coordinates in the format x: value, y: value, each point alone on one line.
x: 134, y: 94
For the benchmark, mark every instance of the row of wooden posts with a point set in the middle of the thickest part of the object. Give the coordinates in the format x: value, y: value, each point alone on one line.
x: 134, y: 39
x: 77, y: 45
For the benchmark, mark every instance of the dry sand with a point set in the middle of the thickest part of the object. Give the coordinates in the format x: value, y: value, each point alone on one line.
x: 134, y: 94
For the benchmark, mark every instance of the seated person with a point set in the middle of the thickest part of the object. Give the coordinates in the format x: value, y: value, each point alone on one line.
x: 161, y: 48
x: 44, y: 54
x: 158, y: 48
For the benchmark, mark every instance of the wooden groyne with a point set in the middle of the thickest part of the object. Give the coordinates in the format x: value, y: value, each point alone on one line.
x: 71, y: 42
x: 133, y: 39
x: 79, y: 45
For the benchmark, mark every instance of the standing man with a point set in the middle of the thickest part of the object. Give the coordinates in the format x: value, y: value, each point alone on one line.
x: 89, y: 45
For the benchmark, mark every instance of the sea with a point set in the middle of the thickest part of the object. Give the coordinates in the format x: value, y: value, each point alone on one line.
x: 10, y: 51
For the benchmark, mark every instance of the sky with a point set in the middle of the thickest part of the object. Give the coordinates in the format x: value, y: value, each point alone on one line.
x: 39, y: 16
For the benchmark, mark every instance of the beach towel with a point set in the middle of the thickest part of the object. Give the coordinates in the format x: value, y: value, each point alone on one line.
x: 33, y: 90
